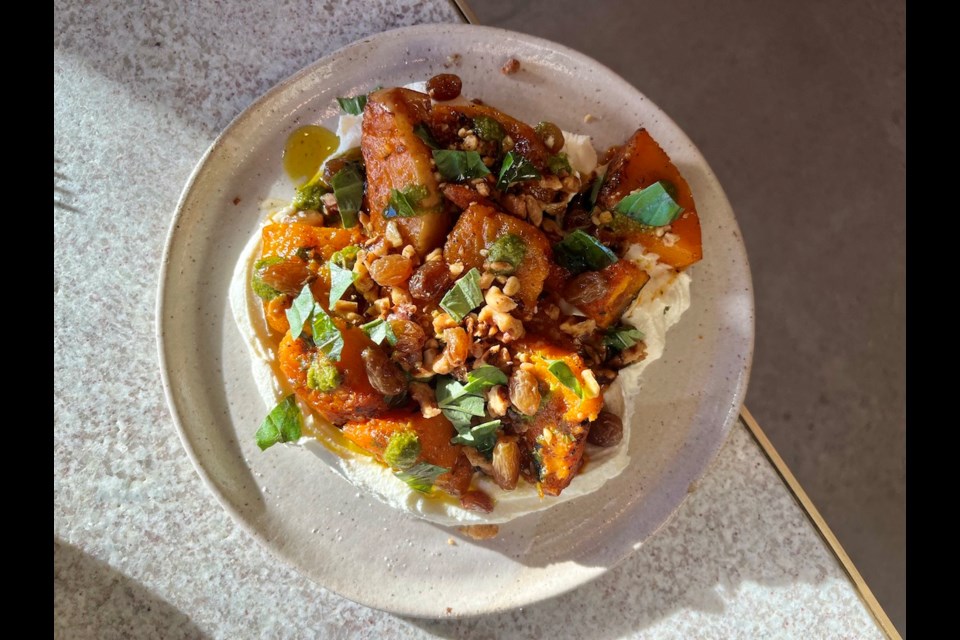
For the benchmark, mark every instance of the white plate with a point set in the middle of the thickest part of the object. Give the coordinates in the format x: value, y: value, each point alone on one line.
x: 308, y: 515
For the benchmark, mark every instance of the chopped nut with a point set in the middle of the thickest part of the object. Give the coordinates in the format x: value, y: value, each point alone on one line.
x: 483, y: 188
x: 478, y: 460
x: 443, y: 321
x: 486, y: 279
x: 498, y: 401
x: 512, y: 286
x: 551, y: 182
x: 509, y: 67
x: 577, y: 329
x: 507, y: 143
x: 511, y: 327
x: 436, y: 254
x: 392, y: 234
x: 408, y: 251
x: 345, y: 306
x: 571, y: 184
x: 462, y: 132
x: 400, y: 296
x: 382, y: 306
x: 605, y: 217
x: 329, y: 200
x: 670, y: 239
x: 547, y: 435
x: 534, y: 210
x: 499, y: 302
x: 470, y: 143
x: 442, y: 365
x: 590, y: 118
x: 423, y: 395
x: 590, y: 383
x: 456, y: 269
x: 552, y: 311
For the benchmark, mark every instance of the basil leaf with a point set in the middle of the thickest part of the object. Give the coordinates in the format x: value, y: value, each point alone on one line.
x: 457, y: 166
x: 515, y: 168
x: 421, y: 476
x: 424, y: 134
x: 379, y: 330
x: 509, y: 248
x: 300, y: 310
x: 353, y: 106
x: 561, y: 371
x: 402, y: 450
x: 482, y: 437
x: 488, y: 129
x: 558, y: 163
x: 348, y: 188
x: 261, y: 288
x: 326, y: 335
x: 595, y: 192
x: 464, y: 296
x: 622, y: 337
x: 340, y: 281
x: 282, y: 424
x: 457, y: 404
x: 579, y: 252
x: 652, y: 206
x: 483, y: 378
x: 404, y: 203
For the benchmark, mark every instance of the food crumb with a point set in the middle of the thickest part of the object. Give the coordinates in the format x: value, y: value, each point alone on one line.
x: 453, y: 60
x: 236, y: 200
x: 480, y: 531
x: 449, y: 609
x: 451, y: 542
x: 590, y: 118
x: 510, y: 66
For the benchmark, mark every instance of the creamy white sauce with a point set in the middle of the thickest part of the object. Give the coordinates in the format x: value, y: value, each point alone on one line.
x: 658, y: 307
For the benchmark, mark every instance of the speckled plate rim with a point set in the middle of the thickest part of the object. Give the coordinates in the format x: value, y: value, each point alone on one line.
x: 579, y: 578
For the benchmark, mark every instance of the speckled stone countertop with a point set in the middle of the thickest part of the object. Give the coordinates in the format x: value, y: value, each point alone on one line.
x: 141, y: 547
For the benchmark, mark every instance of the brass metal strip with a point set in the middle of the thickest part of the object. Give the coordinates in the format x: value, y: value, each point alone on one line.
x: 465, y: 11
x: 819, y: 524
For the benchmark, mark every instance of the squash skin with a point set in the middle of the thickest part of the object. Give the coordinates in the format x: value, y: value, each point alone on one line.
x: 396, y: 158
x: 637, y: 164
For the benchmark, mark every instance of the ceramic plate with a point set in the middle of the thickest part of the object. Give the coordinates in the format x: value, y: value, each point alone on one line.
x: 304, y: 512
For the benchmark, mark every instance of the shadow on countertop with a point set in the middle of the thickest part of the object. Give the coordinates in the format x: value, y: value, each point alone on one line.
x: 90, y: 597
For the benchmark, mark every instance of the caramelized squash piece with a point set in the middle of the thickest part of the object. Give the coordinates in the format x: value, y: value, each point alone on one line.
x: 479, y: 227
x: 638, y: 164
x: 434, y: 435
x: 353, y: 398
x: 551, y: 447
x: 284, y: 240
x: 525, y: 140
x: 396, y: 158
x: 605, y: 295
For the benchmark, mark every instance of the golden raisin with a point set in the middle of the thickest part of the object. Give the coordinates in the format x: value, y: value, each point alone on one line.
x: 391, y: 270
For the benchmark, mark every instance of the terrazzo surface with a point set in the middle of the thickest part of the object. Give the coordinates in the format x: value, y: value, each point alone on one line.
x: 141, y: 548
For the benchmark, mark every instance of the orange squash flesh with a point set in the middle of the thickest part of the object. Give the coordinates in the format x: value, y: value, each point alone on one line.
x: 638, y: 164
x: 479, y: 227
x: 353, y: 398
x: 396, y: 158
